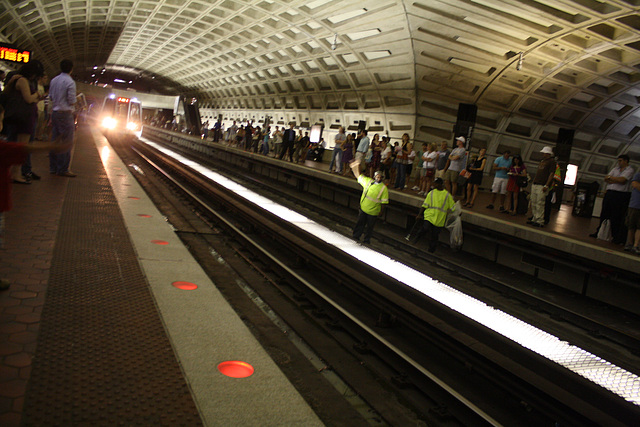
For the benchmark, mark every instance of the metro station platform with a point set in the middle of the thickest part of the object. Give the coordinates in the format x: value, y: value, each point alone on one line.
x: 564, y: 232
x: 561, y: 224
x: 97, y: 329
x: 101, y: 326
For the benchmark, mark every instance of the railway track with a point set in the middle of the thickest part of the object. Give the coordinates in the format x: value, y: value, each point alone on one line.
x: 409, y: 358
x: 497, y: 285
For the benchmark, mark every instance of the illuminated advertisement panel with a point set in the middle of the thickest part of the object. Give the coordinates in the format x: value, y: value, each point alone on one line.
x: 11, y: 54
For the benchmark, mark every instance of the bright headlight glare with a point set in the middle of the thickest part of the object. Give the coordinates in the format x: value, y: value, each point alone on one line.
x: 109, y: 123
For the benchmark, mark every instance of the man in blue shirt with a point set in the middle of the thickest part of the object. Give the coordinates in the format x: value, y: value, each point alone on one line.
x: 362, y: 148
x: 62, y: 91
x: 633, y: 217
x: 501, y: 165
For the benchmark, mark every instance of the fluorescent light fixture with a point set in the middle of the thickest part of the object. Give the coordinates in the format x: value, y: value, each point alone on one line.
x: 611, y: 377
x: 376, y: 54
x: 363, y: 34
x: 571, y: 176
x: 345, y: 16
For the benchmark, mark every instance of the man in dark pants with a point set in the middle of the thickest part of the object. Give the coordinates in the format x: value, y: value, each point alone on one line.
x: 436, y: 207
x: 616, y: 199
x: 288, y: 141
x: 374, y: 195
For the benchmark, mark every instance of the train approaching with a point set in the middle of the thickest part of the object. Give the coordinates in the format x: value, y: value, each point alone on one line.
x: 121, y: 114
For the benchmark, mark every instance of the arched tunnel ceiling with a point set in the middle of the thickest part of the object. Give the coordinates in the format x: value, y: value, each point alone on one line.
x: 395, y: 58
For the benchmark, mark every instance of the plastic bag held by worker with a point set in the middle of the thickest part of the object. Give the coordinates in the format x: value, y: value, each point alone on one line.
x: 454, y: 225
x: 605, y: 231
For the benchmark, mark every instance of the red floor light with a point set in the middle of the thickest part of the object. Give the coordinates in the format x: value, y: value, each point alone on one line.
x: 236, y: 369
x: 160, y: 242
x: 134, y: 198
x: 185, y: 286
x: 144, y: 215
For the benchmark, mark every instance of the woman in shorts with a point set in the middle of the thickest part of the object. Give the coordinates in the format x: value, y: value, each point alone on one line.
x: 429, y: 159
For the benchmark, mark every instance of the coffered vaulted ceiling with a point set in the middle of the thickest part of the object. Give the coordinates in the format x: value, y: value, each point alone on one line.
x: 408, y: 62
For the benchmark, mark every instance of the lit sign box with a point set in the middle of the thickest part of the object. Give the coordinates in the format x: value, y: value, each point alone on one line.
x: 121, y: 99
x: 572, y: 174
x: 316, y: 134
x: 8, y: 53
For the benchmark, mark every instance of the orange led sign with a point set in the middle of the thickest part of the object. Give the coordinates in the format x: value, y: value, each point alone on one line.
x: 11, y: 54
x: 124, y: 100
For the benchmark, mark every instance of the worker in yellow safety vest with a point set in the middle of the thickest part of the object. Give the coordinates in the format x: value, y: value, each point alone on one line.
x: 374, y: 195
x: 437, y: 205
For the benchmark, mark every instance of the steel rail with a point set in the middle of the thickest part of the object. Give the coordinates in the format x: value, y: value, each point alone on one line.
x: 433, y: 377
x: 294, y: 274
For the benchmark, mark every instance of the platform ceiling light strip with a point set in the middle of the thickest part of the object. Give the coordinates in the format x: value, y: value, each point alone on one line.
x: 619, y: 381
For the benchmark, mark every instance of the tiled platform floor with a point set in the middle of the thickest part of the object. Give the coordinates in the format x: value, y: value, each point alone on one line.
x: 25, y: 261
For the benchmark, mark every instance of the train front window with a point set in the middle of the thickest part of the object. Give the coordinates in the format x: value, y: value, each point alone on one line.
x: 134, y: 112
x: 122, y: 110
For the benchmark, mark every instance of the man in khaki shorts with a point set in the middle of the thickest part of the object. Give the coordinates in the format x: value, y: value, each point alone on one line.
x: 457, y: 162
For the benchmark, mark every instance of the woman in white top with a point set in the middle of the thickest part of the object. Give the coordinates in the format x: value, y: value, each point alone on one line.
x: 385, y: 158
x: 429, y: 158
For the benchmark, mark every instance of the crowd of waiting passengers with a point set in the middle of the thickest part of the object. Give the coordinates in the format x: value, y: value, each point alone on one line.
x: 406, y: 167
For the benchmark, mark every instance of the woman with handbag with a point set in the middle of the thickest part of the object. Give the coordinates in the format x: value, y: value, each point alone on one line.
x: 347, y: 154
x: 476, y: 167
x: 517, y: 180
x: 402, y: 160
x: 386, y: 158
x: 20, y: 98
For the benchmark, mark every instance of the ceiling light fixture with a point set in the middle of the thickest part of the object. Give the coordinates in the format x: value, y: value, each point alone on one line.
x: 520, y: 61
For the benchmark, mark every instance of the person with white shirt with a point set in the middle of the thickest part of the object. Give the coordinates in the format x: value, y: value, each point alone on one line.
x: 336, y: 159
x: 457, y: 162
x: 62, y: 92
x: 616, y: 199
x: 429, y: 159
x: 362, y: 148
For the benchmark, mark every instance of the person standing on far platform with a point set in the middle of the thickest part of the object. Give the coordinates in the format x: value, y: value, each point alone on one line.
x: 541, y: 184
x: 374, y: 195
x: 336, y: 159
x: 437, y: 205
x: 288, y: 142
x: 501, y: 165
x: 233, y: 131
x: 362, y: 148
x: 62, y: 92
x: 457, y: 162
x: 633, y: 217
x: 616, y: 199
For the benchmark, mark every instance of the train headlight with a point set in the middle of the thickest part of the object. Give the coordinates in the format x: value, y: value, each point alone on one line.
x: 109, y: 123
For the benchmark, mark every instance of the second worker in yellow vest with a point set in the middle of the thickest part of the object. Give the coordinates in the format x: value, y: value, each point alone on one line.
x: 437, y: 205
